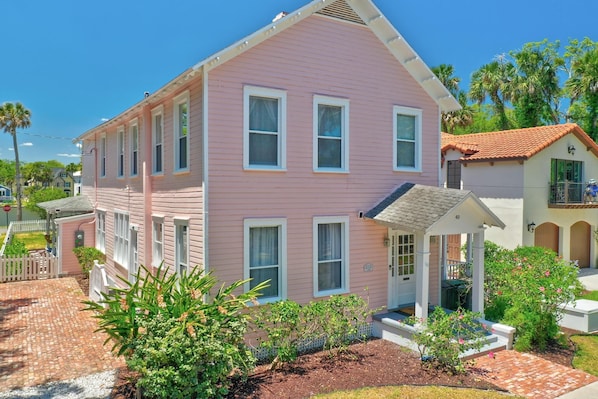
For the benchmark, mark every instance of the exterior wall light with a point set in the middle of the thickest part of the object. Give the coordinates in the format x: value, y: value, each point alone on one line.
x: 386, y: 242
x: 571, y: 149
x: 531, y: 227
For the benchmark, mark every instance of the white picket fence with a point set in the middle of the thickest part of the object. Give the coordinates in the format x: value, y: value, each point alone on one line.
x: 34, y: 266
x: 25, y: 226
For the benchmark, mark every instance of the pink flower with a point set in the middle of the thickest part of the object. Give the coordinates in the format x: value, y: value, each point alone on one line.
x: 461, y: 317
x: 547, y: 273
x: 541, y: 289
x: 559, y: 290
x: 461, y: 341
x: 491, y: 355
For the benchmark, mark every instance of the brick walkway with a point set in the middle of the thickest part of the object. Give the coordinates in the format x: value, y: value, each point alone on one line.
x: 531, y: 376
x: 44, y: 335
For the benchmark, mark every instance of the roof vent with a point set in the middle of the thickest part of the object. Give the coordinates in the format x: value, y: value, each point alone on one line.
x: 280, y: 15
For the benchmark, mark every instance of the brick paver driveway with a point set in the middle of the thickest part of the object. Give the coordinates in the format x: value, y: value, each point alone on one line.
x: 44, y: 335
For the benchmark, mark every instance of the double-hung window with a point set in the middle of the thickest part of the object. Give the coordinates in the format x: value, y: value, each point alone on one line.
x: 265, y: 256
x: 331, y: 134
x: 157, y: 139
x: 264, y: 124
x: 121, y: 238
x: 181, y: 132
x: 181, y: 237
x: 120, y: 137
x: 134, y: 143
x: 103, y: 156
x: 101, y: 231
x: 331, y: 255
x: 407, y: 124
x: 158, y: 240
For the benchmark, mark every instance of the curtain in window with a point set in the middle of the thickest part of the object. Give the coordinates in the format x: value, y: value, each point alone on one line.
x: 405, y: 141
x: 330, y: 248
x: 263, y: 131
x: 263, y: 258
x: 329, y: 136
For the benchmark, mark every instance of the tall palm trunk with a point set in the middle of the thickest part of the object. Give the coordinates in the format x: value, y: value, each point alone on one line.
x: 17, y: 177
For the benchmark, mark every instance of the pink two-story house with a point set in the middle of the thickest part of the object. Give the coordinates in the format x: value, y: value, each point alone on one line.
x: 306, y: 153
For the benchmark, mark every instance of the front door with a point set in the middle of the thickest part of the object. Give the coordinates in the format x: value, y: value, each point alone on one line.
x: 401, y: 269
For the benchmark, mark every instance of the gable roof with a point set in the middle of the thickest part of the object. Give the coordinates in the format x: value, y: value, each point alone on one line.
x: 416, y: 207
x: 362, y: 12
x: 516, y: 144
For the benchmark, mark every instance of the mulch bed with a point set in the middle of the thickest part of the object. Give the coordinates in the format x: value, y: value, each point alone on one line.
x: 374, y: 363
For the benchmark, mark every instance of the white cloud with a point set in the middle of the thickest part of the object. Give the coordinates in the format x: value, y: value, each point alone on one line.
x: 105, y: 119
x: 11, y: 149
x: 28, y: 144
x: 69, y: 155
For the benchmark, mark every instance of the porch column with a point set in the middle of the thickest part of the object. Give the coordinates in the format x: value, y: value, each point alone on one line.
x: 477, y: 295
x: 422, y: 274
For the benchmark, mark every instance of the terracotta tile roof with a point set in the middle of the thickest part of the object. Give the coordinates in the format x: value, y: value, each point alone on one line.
x: 512, y: 144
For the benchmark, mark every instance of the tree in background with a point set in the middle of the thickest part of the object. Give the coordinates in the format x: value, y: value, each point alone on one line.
x: 582, y: 85
x: 42, y: 195
x: 464, y: 117
x: 494, y: 81
x: 536, y: 93
x: 7, y: 172
x: 12, y: 117
x: 74, y: 167
x: 38, y: 173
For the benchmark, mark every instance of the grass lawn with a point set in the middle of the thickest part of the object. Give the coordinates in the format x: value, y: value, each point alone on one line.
x: 586, y: 356
x: 591, y: 295
x: 410, y: 392
x: 34, y: 240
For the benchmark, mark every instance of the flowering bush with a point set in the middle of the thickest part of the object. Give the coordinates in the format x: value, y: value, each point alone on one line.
x: 526, y: 288
x: 184, y: 340
x: 445, y: 336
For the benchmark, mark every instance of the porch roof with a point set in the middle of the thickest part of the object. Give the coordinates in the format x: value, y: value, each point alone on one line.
x: 419, y: 208
x: 77, y: 204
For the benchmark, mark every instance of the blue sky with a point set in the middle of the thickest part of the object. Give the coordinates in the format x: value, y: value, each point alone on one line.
x: 74, y: 63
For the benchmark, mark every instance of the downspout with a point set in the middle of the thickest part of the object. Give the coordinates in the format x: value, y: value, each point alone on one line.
x: 205, y: 260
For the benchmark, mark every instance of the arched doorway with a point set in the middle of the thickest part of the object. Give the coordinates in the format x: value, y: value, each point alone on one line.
x: 547, y: 236
x: 581, y: 235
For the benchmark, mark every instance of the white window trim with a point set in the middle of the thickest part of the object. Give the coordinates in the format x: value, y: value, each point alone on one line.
x: 282, y: 277
x: 417, y: 113
x: 101, y: 230
x: 181, y: 222
x: 120, y: 151
x: 121, y: 249
x: 102, y: 158
x: 134, y: 124
x: 158, y: 111
x: 338, y: 102
x: 281, y: 96
x: 157, y: 220
x: 178, y: 100
x: 345, y: 268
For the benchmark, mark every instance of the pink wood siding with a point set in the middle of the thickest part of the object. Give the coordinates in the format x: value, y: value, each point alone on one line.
x: 326, y: 57
x: 68, y: 260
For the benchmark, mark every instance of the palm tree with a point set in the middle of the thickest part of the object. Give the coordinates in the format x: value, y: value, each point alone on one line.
x: 494, y: 80
x: 583, y: 90
x: 463, y: 117
x: 12, y: 117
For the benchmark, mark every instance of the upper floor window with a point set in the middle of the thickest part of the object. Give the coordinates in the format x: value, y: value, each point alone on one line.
x: 157, y: 140
x: 101, y: 231
x: 331, y: 134
x: 407, y: 138
x: 453, y: 174
x: 264, y: 128
x: 103, y: 156
x: 181, y: 132
x: 331, y: 255
x: 121, y: 238
x: 120, y: 137
x: 134, y: 143
x: 265, y: 256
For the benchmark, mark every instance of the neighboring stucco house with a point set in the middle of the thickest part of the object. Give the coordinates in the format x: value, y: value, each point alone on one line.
x: 540, y: 181
x: 306, y: 153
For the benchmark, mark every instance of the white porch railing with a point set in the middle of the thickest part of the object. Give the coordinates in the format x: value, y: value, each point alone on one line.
x: 456, y: 270
x: 99, y: 282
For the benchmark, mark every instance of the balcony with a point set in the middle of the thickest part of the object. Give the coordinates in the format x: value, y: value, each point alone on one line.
x: 573, y: 195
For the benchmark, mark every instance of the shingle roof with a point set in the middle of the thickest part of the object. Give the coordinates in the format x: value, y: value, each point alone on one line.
x: 512, y: 144
x: 78, y: 204
x: 416, y: 207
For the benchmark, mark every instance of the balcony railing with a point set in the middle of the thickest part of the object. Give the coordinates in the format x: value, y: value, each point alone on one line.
x: 565, y: 193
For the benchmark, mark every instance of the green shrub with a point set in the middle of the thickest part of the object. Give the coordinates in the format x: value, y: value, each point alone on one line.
x: 444, y: 337
x: 526, y: 288
x: 15, y: 247
x: 184, y: 340
x: 86, y: 256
